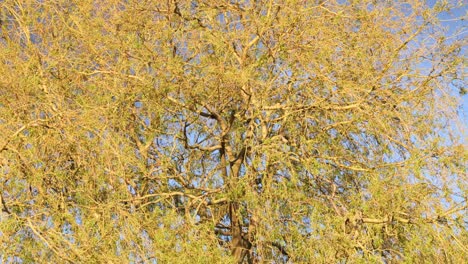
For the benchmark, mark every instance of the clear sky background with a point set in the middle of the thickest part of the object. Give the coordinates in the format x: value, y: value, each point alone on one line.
x: 456, y: 24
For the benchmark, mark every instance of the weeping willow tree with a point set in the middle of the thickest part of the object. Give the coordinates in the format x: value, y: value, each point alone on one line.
x: 260, y: 131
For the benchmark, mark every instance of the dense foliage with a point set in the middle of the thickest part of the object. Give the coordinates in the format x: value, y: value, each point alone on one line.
x: 208, y: 131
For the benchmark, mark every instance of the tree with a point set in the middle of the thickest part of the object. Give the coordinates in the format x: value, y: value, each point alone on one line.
x: 252, y: 131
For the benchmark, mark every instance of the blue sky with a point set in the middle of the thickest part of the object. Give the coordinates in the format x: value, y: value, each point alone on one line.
x: 456, y: 24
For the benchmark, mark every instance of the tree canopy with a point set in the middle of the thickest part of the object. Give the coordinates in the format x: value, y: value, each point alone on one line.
x: 243, y: 131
